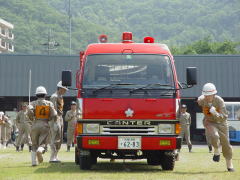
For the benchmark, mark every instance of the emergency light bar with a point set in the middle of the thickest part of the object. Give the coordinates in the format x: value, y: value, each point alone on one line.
x: 102, y: 38
x: 148, y: 40
x: 127, y: 37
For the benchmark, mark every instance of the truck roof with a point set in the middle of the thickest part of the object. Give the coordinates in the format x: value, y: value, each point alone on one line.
x: 145, y: 48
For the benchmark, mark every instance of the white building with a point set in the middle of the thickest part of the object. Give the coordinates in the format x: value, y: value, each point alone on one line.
x: 6, y: 36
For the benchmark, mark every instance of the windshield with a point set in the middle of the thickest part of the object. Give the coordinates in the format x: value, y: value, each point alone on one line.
x: 130, y: 69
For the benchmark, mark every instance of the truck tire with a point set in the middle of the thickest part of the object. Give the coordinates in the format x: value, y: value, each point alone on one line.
x: 168, y: 160
x: 154, y: 161
x: 76, y: 156
x: 154, y: 158
x: 85, y: 162
x: 94, y: 160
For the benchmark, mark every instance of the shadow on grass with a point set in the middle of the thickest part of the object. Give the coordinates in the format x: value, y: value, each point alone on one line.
x: 117, y: 167
x: 200, y: 172
x: 101, y: 167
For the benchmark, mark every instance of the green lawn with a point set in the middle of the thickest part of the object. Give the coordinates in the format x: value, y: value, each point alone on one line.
x: 197, y: 165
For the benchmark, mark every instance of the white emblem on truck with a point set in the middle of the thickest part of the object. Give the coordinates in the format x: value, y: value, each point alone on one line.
x: 129, y: 112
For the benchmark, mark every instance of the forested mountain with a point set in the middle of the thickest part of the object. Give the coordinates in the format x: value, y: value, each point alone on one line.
x: 175, y: 22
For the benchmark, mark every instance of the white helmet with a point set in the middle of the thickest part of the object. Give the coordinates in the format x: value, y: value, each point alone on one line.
x: 41, y: 90
x: 1, y: 113
x: 209, y: 89
x: 59, y: 84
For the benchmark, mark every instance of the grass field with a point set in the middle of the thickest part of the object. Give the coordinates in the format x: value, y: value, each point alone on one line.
x: 197, y: 165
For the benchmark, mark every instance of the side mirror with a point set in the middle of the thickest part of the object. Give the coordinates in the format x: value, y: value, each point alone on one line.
x: 67, y: 78
x: 191, y: 76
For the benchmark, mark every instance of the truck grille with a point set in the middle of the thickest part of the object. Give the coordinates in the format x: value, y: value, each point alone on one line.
x: 128, y: 130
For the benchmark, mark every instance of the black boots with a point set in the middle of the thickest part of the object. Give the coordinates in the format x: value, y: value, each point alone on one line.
x: 46, y: 148
x: 22, y: 146
x: 216, y: 158
x: 210, y: 148
x: 190, y: 148
x: 8, y: 142
x: 30, y: 148
x: 230, y: 169
x: 68, y: 148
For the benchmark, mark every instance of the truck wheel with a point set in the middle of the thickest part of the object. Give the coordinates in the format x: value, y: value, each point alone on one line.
x: 153, y: 161
x: 153, y: 158
x: 85, y: 162
x: 76, y: 156
x: 94, y: 160
x: 168, y: 160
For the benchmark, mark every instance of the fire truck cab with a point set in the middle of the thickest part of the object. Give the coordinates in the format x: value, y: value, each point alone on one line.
x: 128, y: 99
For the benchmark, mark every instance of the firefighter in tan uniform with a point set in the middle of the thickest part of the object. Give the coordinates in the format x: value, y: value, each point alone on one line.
x: 215, y: 122
x: 24, y: 128
x: 71, y: 117
x: 5, y: 124
x: 40, y: 111
x: 185, y: 121
x: 9, y: 130
x: 2, y: 122
x: 56, y: 126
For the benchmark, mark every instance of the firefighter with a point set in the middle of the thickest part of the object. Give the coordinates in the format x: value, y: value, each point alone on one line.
x: 15, y: 128
x: 56, y: 126
x: 215, y: 122
x: 71, y: 117
x: 9, y: 130
x: 4, y: 129
x: 24, y: 128
x: 40, y: 112
x: 1, y: 124
x: 185, y: 121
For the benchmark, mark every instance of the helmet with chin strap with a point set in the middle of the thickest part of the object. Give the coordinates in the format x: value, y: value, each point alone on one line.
x: 209, y: 89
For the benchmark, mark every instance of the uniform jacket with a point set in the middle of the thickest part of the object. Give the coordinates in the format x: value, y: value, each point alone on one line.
x: 41, y: 109
x: 218, y: 103
x: 22, y: 117
x: 71, y: 117
x: 58, y: 103
x: 185, y: 118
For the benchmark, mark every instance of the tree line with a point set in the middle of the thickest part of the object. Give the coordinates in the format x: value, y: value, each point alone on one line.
x: 183, y: 25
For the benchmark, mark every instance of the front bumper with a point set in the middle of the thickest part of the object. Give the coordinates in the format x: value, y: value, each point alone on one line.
x: 111, y: 142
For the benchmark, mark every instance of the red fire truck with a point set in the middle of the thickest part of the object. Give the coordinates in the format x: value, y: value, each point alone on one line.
x: 128, y: 97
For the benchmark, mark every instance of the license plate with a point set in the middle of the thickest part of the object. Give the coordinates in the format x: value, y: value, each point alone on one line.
x: 129, y: 142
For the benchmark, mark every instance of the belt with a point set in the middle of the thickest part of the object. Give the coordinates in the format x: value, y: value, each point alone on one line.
x: 217, y: 122
x: 42, y: 119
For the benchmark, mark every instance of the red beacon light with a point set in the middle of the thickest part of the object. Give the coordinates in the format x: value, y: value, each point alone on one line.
x: 127, y: 37
x: 102, y: 38
x: 148, y: 39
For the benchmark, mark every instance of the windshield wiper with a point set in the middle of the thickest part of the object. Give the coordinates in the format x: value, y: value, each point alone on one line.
x: 113, y: 85
x: 154, y: 84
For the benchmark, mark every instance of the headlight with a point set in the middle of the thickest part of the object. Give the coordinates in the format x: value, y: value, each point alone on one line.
x: 166, y: 128
x: 80, y: 107
x: 91, y: 128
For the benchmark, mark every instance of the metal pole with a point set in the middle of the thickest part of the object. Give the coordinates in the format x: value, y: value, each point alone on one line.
x: 70, y: 27
x: 29, y: 86
x: 49, y: 34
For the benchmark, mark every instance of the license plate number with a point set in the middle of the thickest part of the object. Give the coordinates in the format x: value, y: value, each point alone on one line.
x: 125, y: 142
